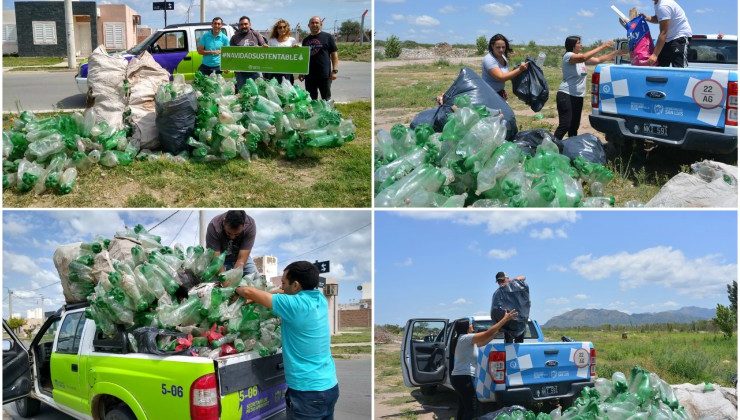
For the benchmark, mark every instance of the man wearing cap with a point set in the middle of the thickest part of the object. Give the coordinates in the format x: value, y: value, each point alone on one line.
x: 513, y: 293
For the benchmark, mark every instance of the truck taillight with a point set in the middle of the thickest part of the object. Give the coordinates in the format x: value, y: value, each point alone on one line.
x: 497, y: 366
x: 593, y: 362
x: 205, y: 402
x: 595, y: 90
x: 731, y: 116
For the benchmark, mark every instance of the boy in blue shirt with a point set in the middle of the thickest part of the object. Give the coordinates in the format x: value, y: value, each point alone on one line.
x: 313, y: 389
x: 209, y: 46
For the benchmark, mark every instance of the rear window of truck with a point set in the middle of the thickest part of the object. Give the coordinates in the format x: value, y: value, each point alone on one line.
x: 715, y: 51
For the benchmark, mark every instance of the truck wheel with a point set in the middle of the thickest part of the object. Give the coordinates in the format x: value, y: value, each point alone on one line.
x: 429, y: 390
x: 27, y: 407
x: 121, y: 412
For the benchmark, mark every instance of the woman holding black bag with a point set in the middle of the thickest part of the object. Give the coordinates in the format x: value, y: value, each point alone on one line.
x: 496, y: 65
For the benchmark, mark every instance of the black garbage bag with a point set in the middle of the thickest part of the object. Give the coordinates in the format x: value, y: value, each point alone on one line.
x: 469, y: 83
x: 424, y: 117
x: 528, y: 140
x: 514, y: 295
x: 147, y: 339
x: 176, y: 122
x: 531, y: 87
x: 586, y: 146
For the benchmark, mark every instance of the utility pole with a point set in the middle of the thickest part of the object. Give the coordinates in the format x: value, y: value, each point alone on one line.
x: 10, y: 303
x: 202, y: 10
x: 69, y: 20
x: 203, y: 227
x: 362, y: 27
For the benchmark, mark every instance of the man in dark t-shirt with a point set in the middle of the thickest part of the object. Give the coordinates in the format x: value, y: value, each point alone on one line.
x: 233, y: 233
x: 324, y: 64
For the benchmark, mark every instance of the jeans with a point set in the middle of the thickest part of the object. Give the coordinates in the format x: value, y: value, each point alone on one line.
x: 249, y: 266
x: 311, y: 404
x: 241, y: 78
x: 316, y: 85
x: 467, y: 402
x: 207, y: 70
x: 569, y: 114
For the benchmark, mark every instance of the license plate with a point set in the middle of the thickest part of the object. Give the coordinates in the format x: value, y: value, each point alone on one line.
x: 550, y: 390
x: 655, y: 129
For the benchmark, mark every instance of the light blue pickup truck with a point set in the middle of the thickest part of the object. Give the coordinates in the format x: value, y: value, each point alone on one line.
x: 692, y: 108
x: 534, y: 371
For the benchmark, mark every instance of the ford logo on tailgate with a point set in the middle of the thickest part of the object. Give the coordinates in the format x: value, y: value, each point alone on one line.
x: 655, y: 94
x: 551, y: 363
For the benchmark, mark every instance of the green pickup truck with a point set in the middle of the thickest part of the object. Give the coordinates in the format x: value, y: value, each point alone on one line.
x: 74, y: 368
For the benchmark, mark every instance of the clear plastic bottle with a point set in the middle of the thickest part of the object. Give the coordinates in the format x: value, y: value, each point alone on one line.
x: 540, y: 61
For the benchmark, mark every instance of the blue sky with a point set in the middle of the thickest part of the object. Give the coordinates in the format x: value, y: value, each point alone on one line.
x: 442, y: 264
x: 547, y: 22
x: 30, y: 238
x: 262, y: 13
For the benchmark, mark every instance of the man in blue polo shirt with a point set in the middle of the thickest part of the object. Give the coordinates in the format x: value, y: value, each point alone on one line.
x: 209, y: 46
x: 313, y: 389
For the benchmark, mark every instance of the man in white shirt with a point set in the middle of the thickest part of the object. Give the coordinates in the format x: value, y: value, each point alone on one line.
x: 672, y: 45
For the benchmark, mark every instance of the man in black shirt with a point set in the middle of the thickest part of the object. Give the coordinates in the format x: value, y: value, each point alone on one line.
x: 233, y: 232
x: 324, y: 64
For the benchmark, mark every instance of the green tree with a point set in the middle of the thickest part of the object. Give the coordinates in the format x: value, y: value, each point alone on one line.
x: 15, y: 323
x: 350, y: 28
x: 532, y: 44
x: 725, y: 320
x: 392, y: 47
x: 732, y: 294
x: 481, y: 45
x: 29, y: 331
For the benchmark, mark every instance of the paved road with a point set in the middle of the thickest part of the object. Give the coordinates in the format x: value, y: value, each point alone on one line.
x: 354, y: 395
x: 44, y: 90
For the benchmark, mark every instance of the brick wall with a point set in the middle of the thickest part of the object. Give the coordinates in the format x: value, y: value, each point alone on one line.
x: 354, y: 318
x: 28, y: 11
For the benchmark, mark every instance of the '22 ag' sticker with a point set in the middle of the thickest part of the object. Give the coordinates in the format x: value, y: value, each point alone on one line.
x: 581, y: 358
x: 708, y: 94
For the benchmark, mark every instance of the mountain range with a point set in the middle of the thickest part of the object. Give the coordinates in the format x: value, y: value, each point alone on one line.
x: 598, y: 317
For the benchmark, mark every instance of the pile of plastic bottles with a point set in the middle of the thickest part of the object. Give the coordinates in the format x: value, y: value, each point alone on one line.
x: 42, y: 154
x: 470, y: 163
x: 280, y: 116
x: 644, y: 396
x: 143, y: 291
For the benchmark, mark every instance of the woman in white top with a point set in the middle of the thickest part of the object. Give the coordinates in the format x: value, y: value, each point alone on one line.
x: 496, y: 64
x: 573, y: 87
x: 280, y: 37
x: 463, y: 369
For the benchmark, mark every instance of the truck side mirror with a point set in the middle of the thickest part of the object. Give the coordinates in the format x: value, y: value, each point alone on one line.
x: 7, y: 344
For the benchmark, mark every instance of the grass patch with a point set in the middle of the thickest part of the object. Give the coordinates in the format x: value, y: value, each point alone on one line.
x: 337, y: 177
x: 362, y: 336
x: 10, y: 61
x: 353, y: 51
x: 402, y: 92
x: 676, y: 357
x: 351, y: 350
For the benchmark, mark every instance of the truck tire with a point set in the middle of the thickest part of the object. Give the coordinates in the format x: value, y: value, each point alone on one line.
x: 27, y: 407
x: 120, y: 412
x: 428, y: 390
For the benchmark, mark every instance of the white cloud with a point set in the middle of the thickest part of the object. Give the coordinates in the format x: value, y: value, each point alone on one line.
x: 704, y: 10
x: 408, y: 262
x: 517, y: 4
x: 501, y: 254
x: 580, y: 296
x: 15, y: 225
x: 461, y: 301
x: 548, y: 233
x: 498, y: 9
x: 557, y: 301
x: 396, y: 16
x: 557, y: 267
x: 585, y: 13
x: 425, y: 20
x: 84, y: 224
x: 498, y: 221
x: 448, y: 9
x: 665, y: 266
